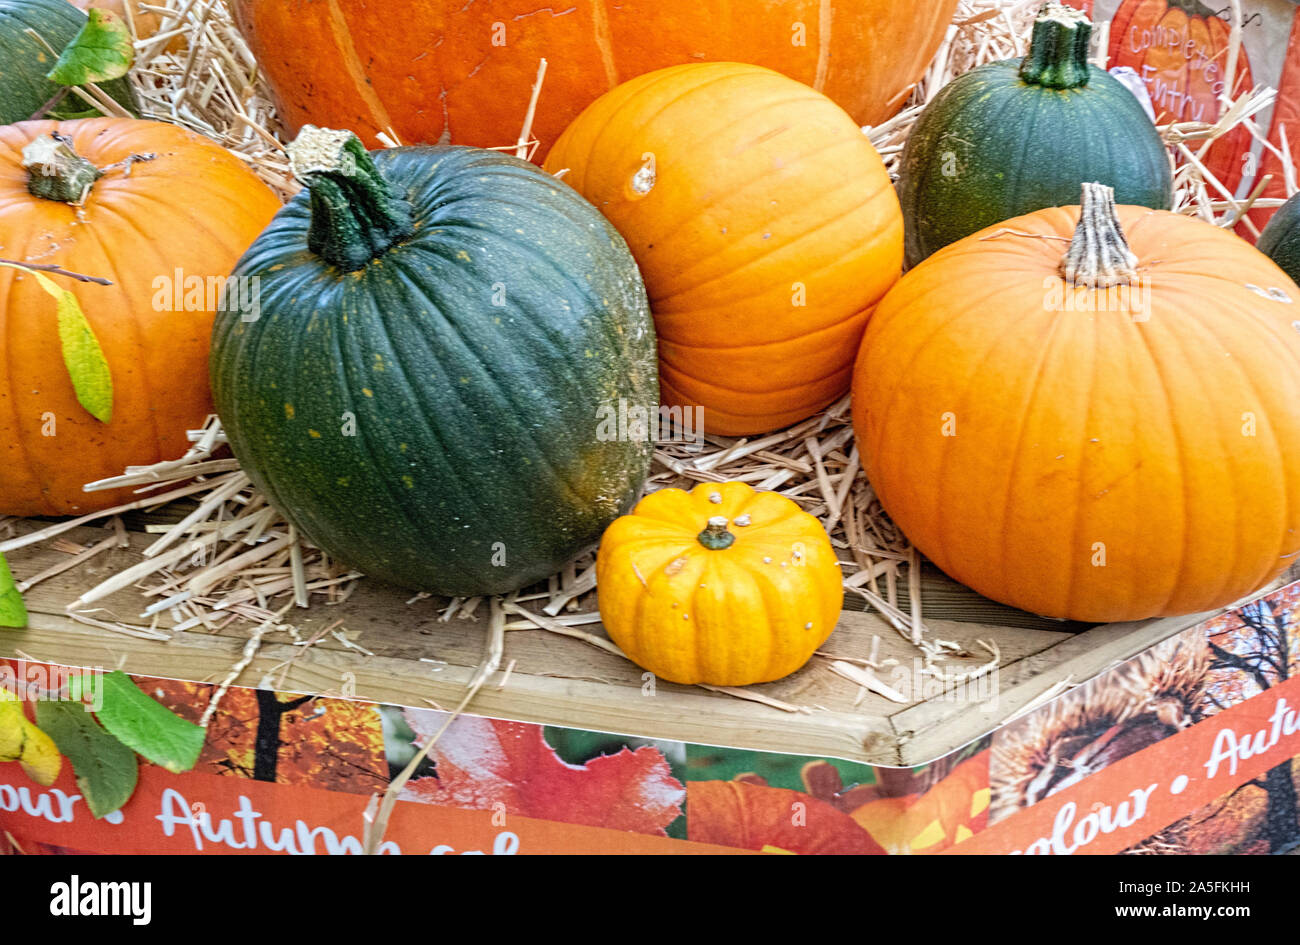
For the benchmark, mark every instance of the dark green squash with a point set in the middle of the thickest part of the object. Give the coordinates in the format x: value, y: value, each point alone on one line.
x: 419, y: 382
x: 1280, y: 240
x: 24, y: 61
x: 1019, y: 135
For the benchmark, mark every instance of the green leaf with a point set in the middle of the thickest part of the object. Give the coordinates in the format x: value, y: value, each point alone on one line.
x: 12, y: 611
x: 146, y: 726
x: 82, y: 355
x: 106, y: 769
x: 100, y: 52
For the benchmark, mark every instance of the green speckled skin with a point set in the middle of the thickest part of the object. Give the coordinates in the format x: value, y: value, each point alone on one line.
x: 991, y: 147
x: 24, y: 62
x: 478, y: 464
x: 1280, y: 240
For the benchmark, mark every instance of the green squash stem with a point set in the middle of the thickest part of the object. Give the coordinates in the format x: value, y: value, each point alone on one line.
x: 1058, y: 51
x: 355, y: 216
x: 57, y: 172
x: 1099, y: 257
x: 716, y: 537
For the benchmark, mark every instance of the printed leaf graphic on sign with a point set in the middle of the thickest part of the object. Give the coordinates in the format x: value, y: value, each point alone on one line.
x: 776, y: 820
x: 483, y: 763
x: 23, y: 742
x: 144, y: 725
x: 100, y: 52
x: 13, y: 613
x: 106, y: 769
x: 82, y: 355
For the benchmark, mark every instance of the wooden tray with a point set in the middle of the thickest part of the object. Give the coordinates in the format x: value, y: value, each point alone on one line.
x: 561, y: 681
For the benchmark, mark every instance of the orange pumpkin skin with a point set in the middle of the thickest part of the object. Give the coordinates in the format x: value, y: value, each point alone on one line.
x: 195, y: 207
x: 768, y: 232
x: 435, y: 67
x: 1087, y: 464
x: 749, y: 613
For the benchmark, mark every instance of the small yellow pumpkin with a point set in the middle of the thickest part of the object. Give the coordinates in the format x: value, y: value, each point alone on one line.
x: 722, y: 585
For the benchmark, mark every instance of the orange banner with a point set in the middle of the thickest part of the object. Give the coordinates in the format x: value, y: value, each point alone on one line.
x: 198, y: 813
x: 1135, y: 797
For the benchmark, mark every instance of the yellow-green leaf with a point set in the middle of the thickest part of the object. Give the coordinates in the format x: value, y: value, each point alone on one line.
x: 82, y: 355
x: 12, y: 611
x: 100, y: 52
x: 23, y: 742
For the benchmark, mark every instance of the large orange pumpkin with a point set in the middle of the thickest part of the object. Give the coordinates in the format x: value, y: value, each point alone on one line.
x: 722, y: 585
x: 162, y: 230
x: 1116, y: 452
x: 765, y: 225
x: 466, y: 69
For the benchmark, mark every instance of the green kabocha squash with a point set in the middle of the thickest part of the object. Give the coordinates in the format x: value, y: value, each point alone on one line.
x: 25, y: 61
x: 423, y: 372
x: 1019, y: 135
x: 1280, y: 240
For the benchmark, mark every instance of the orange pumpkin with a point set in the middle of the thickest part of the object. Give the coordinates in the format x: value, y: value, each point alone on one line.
x: 722, y: 585
x: 163, y: 233
x: 765, y: 225
x: 949, y: 812
x: 427, y: 69
x: 772, y: 820
x: 1115, y: 436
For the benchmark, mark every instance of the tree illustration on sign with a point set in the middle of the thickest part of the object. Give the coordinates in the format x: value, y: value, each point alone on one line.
x: 1256, y: 648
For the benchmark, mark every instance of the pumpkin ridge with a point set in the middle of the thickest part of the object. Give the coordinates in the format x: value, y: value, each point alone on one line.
x: 369, y: 314
x: 1180, y: 450
x: 1022, y: 421
x: 550, y: 336
x: 10, y: 277
x: 863, y: 313
x: 880, y: 235
x: 375, y: 449
x: 626, y: 102
x: 341, y: 31
x: 790, y: 391
x: 1247, y: 317
x: 145, y: 380
x: 1082, y: 487
x: 503, y: 392
x: 761, y: 183
x: 1223, y: 463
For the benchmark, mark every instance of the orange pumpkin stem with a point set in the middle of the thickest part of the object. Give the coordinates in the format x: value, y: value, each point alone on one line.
x: 55, y: 171
x: 1099, y: 257
x: 716, y: 537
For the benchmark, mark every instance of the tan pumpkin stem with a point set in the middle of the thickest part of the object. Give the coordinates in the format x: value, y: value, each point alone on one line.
x: 1099, y: 257
x: 55, y: 171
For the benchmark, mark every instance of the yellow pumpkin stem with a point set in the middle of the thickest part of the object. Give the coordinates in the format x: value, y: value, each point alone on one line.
x: 1099, y: 257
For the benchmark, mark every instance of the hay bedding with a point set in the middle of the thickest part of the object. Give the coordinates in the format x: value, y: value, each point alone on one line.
x: 233, y: 561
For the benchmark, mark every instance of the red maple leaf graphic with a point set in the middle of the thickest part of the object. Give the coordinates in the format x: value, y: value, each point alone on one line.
x: 489, y: 764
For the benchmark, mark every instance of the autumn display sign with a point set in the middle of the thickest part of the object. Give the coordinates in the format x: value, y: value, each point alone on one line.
x: 1179, y: 51
x: 1193, y: 746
